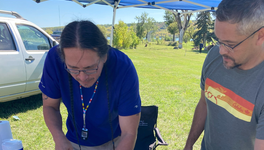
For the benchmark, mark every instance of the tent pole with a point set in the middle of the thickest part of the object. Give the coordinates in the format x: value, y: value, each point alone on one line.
x: 113, y: 22
x: 112, y: 31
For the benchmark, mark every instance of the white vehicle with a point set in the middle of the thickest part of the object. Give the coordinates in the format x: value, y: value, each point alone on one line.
x: 23, y: 49
x: 56, y: 35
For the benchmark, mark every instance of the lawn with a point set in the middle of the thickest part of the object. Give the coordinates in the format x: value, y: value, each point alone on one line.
x: 169, y: 78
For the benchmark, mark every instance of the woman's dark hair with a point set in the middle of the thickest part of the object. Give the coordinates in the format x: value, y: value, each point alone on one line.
x: 83, y: 35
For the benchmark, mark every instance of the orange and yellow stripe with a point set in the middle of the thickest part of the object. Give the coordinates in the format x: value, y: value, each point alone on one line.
x: 227, y: 99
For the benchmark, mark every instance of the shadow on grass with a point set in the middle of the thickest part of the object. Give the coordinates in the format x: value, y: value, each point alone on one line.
x: 198, y: 51
x: 10, y: 108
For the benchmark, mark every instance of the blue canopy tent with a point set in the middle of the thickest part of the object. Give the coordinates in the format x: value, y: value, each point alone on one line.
x: 169, y: 5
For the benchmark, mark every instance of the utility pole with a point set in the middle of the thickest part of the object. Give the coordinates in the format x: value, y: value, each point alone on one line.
x: 59, y: 15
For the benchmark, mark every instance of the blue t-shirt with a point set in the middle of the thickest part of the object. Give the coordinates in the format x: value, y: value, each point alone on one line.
x: 123, y: 90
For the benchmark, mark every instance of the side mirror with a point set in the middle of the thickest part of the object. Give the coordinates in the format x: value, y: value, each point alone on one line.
x: 54, y: 43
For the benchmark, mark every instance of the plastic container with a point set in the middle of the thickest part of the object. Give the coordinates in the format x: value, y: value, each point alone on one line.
x: 12, y: 144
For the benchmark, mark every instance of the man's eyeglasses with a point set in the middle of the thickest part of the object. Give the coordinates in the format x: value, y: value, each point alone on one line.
x: 231, y: 48
x: 86, y: 71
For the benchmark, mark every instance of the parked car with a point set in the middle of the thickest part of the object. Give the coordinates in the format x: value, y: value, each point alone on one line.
x: 23, y: 49
x: 56, y: 35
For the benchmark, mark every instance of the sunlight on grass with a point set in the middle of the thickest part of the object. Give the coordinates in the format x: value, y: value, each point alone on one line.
x: 169, y: 78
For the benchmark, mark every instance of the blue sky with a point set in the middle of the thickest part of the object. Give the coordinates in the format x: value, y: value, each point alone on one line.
x: 54, y: 13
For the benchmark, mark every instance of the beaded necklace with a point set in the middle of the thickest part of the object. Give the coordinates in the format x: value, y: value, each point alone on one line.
x: 84, y: 129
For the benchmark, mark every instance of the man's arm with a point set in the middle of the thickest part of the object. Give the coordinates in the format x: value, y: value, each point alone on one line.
x: 53, y: 120
x: 259, y: 144
x: 198, y: 122
x: 129, y: 128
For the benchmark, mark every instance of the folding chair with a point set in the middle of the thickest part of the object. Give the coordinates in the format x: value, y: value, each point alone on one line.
x: 148, y: 133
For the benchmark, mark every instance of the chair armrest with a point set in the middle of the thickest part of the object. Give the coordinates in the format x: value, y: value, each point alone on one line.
x: 153, y: 146
x: 159, y: 137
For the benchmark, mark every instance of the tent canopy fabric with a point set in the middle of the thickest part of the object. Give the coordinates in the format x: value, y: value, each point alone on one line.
x: 169, y: 5
x: 192, y: 5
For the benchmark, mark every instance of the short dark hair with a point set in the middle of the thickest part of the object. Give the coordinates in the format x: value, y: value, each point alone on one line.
x: 84, y: 35
x: 248, y: 14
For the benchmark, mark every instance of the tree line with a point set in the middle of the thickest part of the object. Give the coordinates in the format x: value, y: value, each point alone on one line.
x: 177, y: 23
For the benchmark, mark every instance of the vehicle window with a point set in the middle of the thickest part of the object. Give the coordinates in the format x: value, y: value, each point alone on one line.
x: 33, y: 39
x: 6, y: 40
x: 57, y: 32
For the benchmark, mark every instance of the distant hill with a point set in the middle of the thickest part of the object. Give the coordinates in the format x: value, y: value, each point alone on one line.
x: 161, y: 32
x: 161, y: 25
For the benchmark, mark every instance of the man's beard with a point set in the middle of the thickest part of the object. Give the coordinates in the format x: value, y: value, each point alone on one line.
x: 235, y: 65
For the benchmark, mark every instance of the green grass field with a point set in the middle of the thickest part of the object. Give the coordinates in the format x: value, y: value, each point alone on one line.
x: 169, y: 78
